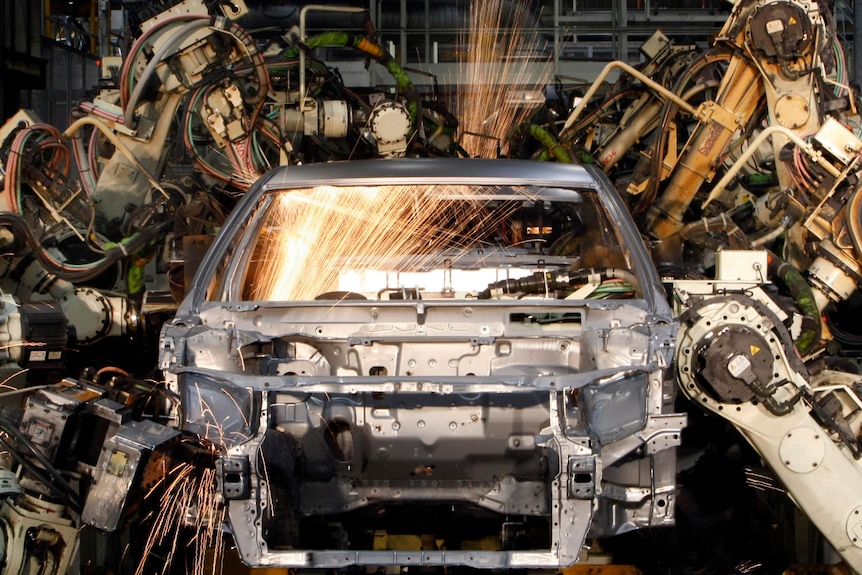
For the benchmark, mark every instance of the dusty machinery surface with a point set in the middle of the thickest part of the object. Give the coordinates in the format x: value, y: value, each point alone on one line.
x: 496, y: 351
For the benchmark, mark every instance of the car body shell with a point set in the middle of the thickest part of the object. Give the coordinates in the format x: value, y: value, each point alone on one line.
x: 490, y: 431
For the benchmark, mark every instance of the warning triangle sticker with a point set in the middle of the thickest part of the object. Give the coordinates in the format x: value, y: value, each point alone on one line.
x: 754, y: 349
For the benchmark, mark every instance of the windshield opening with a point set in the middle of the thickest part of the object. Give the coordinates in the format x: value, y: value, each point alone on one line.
x: 401, y: 242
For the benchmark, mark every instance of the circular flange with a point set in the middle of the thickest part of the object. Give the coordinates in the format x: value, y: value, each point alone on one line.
x: 792, y: 111
x: 854, y: 526
x: 780, y: 30
x: 390, y: 123
x: 802, y: 449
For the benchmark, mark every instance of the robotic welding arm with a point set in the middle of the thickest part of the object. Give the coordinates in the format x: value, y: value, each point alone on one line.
x: 737, y: 360
x: 757, y: 131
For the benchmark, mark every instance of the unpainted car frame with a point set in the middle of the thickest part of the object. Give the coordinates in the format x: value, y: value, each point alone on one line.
x: 494, y: 428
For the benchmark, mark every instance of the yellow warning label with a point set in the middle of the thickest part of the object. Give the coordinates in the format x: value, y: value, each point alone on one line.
x: 754, y: 349
x: 792, y: 21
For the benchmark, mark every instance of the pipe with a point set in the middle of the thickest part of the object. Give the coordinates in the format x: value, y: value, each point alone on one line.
x: 649, y: 83
x: 302, y: 15
x: 443, y: 17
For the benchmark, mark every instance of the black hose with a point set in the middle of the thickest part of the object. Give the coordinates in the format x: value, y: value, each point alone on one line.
x: 541, y: 282
x: 253, y: 54
x: 23, y: 236
x: 59, y: 486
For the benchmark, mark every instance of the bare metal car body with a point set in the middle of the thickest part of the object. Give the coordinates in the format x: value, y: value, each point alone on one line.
x: 467, y: 365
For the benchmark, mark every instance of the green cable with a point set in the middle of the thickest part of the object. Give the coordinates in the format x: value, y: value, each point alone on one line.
x: 803, y: 295
x: 552, y: 147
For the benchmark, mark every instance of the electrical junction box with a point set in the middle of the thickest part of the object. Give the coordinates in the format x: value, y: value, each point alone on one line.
x: 741, y: 265
x: 109, y: 67
x: 838, y: 141
x: 653, y: 45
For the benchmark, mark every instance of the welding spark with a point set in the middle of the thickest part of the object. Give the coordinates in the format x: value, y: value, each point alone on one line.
x: 494, y: 71
x: 747, y: 566
x: 313, y: 237
x: 214, y: 427
x: 762, y: 481
x: 187, y: 512
x: 5, y: 383
x: 188, y: 500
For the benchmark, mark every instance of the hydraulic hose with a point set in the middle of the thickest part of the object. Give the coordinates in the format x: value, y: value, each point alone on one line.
x: 542, y: 282
x: 552, y: 147
x: 176, y: 37
x: 244, y: 38
x: 118, y: 144
x: 11, y: 183
x: 23, y: 236
x: 804, y: 298
x: 217, y: 24
x: 128, y: 62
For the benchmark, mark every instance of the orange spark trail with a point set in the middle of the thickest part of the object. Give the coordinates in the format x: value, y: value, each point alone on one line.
x: 498, y: 66
x: 314, y: 236
x: 187, y: 487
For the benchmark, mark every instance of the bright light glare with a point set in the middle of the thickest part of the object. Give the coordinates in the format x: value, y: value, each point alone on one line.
x: 314, y: 240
